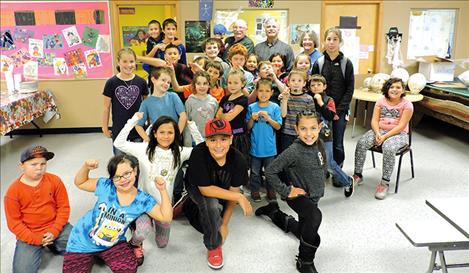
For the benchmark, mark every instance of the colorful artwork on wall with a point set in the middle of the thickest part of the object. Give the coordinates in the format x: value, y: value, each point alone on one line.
x: 54, y: 40
x: 196, y: 33
x: 134, y: 35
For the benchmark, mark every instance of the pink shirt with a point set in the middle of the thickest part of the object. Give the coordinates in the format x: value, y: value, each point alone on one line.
x: 390, y: 115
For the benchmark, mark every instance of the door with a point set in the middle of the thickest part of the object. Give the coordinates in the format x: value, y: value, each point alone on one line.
x: 369, y: 15
x: 130, y: 21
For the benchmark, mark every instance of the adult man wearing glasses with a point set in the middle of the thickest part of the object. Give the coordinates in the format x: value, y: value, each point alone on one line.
x: 240, y: 28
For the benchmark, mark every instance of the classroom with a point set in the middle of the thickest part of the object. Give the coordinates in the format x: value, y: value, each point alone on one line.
x: 236, y: 136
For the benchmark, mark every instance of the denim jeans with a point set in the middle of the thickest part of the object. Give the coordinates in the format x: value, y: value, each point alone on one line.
x: 338, y: 131
x: 27, y: 258
x: 256, y: 165
x: 205, y: 215
x: 339, y: 175
x: 287, y: 140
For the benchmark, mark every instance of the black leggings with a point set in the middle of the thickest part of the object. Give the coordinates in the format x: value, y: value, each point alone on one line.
x: 309, y: 219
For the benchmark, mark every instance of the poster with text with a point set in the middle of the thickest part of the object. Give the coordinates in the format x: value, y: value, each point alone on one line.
x: 36, y: 48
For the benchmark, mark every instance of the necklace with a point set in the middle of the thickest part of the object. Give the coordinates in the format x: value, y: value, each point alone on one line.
x: 125, y: 82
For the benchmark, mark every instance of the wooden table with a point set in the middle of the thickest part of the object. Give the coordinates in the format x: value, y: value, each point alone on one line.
x: 453, y: 210
x: 446, y: 103
x: 20, y: 109
x: 362, y: 94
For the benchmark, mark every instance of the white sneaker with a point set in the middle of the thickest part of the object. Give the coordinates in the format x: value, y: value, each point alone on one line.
x: 381, y: 191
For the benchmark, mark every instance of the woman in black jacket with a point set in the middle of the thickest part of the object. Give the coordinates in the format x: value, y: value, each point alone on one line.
x: 338, y: 71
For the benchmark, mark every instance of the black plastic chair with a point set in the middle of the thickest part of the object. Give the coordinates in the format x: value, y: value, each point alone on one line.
x: 402, y: 151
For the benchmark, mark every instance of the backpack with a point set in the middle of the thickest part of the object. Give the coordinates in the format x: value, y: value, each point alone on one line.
x: 343, y: 64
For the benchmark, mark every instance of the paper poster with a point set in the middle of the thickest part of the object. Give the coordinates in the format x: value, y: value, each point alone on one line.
x: 85, y: 16
x: 205, y: 10
x: 44, y: 17
x: 7, y: 18
x: 298, y: 29
x: 90, y: 37
x: 20, y: 57
x: 74, y: 57
x: 36, y: 48
x: 22, y: 35
x: 135, y: 35
x: 196, y: 33
x: 261, y: 3
x: 30, y: 70
x: 92, y: 58
x: 102, y: 44
x: 6, y: 40
x: 60, y: 67
x: 351, y: 47
x: 79, y: 71
x: 6, y: 64
x: 71, y: 36
x: 52, y: 41
x: 48, y: 59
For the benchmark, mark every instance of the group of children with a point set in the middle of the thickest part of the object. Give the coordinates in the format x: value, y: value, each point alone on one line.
x: 286, y: 127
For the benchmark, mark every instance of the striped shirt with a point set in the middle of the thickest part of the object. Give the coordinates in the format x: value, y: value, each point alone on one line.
x: 295, y: 105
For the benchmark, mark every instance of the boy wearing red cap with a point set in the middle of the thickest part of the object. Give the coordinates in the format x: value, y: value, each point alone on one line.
x: 213, y: 179
x: 36, y: 210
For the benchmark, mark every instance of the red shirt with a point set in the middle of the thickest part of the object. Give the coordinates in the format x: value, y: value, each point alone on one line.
x: 32, y: 211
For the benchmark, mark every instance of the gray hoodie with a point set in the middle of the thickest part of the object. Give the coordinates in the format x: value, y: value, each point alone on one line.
x: 304, y: 165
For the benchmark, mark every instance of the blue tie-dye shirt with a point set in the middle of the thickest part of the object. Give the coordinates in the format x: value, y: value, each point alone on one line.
x: 106, y: 223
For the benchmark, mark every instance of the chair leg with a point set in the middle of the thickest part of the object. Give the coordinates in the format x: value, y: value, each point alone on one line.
x: 398, y: 173
x: 412, y: 163
x: 373, y: 158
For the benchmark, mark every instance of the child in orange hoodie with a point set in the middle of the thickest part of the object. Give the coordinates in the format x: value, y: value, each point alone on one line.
x: 36, y: 210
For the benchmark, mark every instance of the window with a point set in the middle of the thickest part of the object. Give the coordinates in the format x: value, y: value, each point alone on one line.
x: 99, y: 16
x: 25, y: 18
x: 431, y: 32
x: 65, y: 17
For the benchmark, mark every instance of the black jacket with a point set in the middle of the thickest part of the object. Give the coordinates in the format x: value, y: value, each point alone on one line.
x: 338, y: 87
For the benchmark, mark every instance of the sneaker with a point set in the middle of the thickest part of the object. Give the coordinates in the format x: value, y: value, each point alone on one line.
x: 177, y: 208
x: 271, y: 195
x: 357, y: 180
x: 215, y: 258
x: 381, y: 191
x: 256, y: 196
x: 138, y: 252
x: 348, y: 190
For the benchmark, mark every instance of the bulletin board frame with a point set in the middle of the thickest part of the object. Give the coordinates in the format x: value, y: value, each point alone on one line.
x: 62, y: 40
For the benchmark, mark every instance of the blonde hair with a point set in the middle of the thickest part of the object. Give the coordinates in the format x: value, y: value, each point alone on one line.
x: 297, y: 72
x: 124, y: 51
x: 297, y: 59
x: 237, y: 72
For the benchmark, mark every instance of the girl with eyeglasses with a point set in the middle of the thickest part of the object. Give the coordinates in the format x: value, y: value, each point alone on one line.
x: 304, y: 166
x: 101, y: 231
x: 161, y: 156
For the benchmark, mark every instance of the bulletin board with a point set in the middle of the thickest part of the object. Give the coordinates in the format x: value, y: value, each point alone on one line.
x: 56, y: 40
